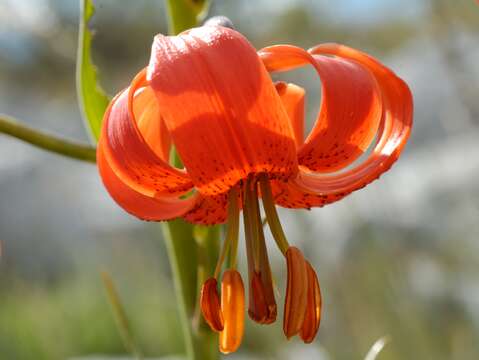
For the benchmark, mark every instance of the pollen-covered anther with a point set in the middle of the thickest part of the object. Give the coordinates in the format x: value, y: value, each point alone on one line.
x: 233, y: 307
x: 210, y: 305
x: 257, y: 309
x: 296, y: 292
x: 262, y: 305
x: 312, y: 317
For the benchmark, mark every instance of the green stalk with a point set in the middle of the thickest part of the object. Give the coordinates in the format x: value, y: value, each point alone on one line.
x: 190, y: 254
x: 46, y: 141
x: 200, y: 343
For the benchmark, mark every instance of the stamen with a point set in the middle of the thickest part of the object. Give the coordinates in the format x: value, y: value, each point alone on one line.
x: 266, y: 278
x: 232, y: 305
x: 296, y: 292
x: 231, y: 238
x: 312, y: 317
x: 272, y: 215
x: 210, y: 305
x: 262, y: 305
x: 251, y: 225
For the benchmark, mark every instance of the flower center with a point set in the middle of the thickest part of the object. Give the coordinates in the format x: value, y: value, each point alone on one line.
x: 302, y: 308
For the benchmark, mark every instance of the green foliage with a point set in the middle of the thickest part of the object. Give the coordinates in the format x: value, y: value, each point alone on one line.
x: 185, y: 14
x: 92, y: 99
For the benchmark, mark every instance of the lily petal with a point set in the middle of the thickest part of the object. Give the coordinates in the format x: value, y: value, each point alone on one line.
x: 138, y: 204
x: 221, y: 108
x: 350, y: 109
x: 150, y: 123
x: 209, y: 210
x: 131, y: 158
x: 292, y: 97
x: 312, y: 188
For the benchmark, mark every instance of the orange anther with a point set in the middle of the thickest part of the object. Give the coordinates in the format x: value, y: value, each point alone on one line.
x: 210, y: 305
x: 233, y: 307
x: 312, y: 316
x: 296, y: 292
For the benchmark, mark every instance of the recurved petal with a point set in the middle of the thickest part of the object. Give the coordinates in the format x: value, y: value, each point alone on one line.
x: 210, y: 305
x: 131, y: 158
x: 150, y: 123
x: 138, y: 204
x: 316, y: 189
x: 233, y: 307
x: 350, y: 109
x: 292, y: 97
x: 296, y: 292
x: 221, y: 108
x: 312, y: 317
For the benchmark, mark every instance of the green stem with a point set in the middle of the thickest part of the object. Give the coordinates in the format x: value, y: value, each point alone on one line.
x: 46, y: 141
x: 187, y: 256
x: 182, y: 252
x: 182, y: 16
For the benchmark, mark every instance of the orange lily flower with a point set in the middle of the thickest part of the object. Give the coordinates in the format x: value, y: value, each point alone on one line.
x: 241, y: 138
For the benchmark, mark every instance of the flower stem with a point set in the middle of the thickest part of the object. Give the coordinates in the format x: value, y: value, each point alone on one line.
x: 200, y: 343
x: 46, y: 141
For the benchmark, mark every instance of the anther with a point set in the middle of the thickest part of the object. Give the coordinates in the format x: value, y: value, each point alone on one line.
x: 312, y: 317
x: 232, y: 306
x: 210, y: 305
x: 296, y: 292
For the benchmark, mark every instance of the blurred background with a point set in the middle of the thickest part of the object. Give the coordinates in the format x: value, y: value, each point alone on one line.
x: 399, y: 258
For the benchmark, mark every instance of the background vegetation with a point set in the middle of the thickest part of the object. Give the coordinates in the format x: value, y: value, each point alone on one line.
x: 399, y: 258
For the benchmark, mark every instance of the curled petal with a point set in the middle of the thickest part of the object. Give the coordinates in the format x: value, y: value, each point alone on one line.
x: 221, y: 108
x: 292, y: 97
x: 312, y: 188
x: 312, y: 317
x: 296, y: 292
x: 350, y: 109
x: 233, y: 307
x: 138, y: 204
x: 150, y: 123
x: 131, y: 158
x: 210, y: 305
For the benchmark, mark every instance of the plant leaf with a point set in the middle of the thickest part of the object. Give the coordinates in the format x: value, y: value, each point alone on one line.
x: 91, y: 98
x: 185, y: 14
x: 377, y: 347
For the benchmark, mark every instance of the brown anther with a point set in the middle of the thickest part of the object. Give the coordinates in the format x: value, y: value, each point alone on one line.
x: 296, y: 292
x: 257, y: 305
x: 233, y: 307
x: 210, y: 305
x: 312, y: 317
